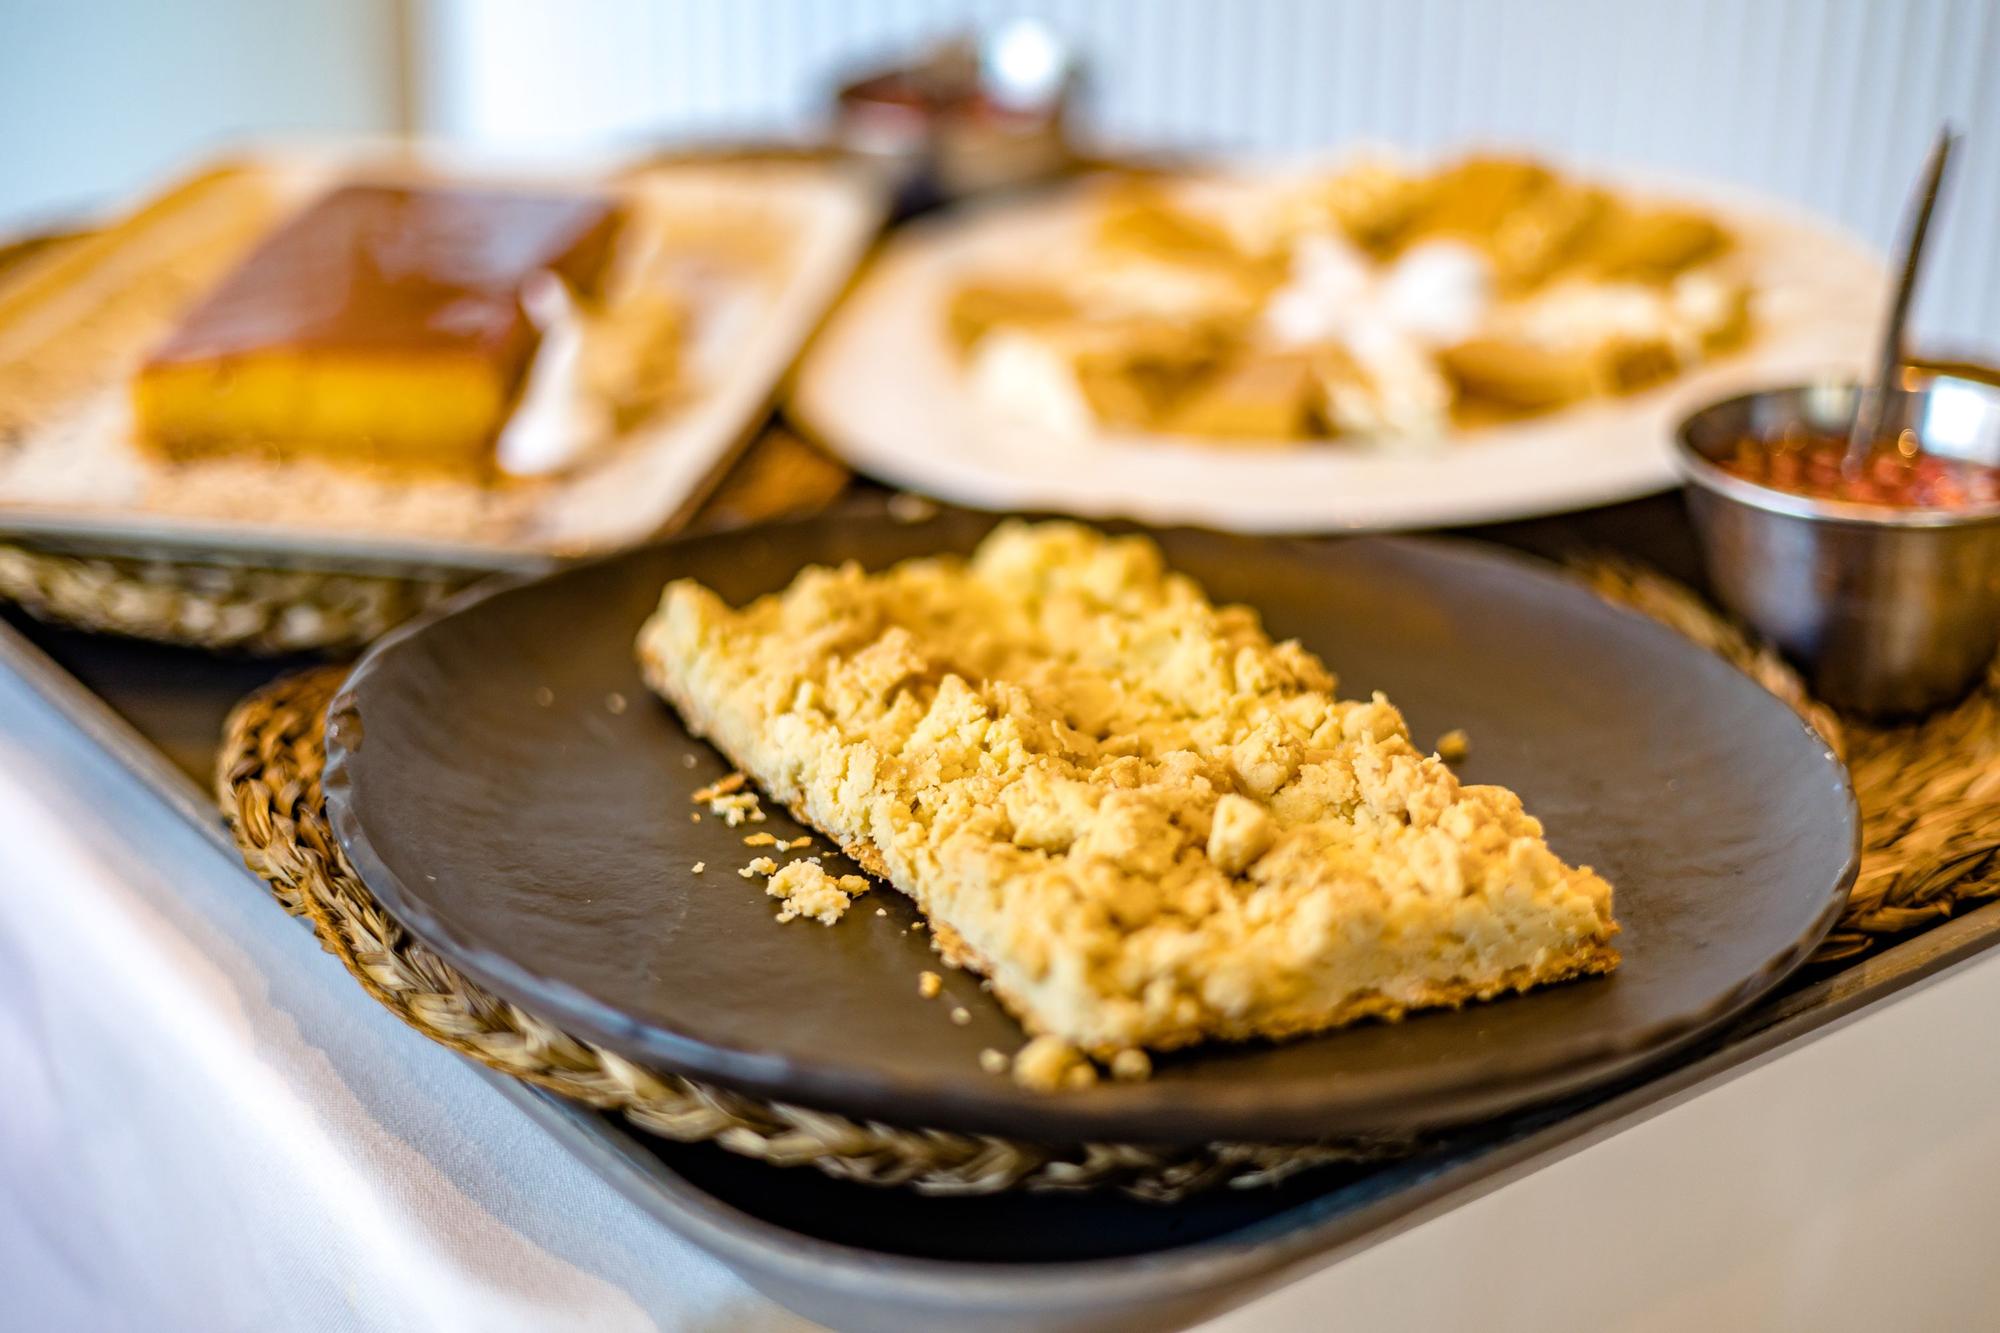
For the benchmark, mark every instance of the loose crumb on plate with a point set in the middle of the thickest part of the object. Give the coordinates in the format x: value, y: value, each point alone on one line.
x: 929, y: 984
x: 720, y: 787
x: 810, y: 891
x: 1454, y: 745
x: 759, y: 840
x: 992, y: 1061
x: 763, y: 865
x: 614, y: 703
x: 907, y: 508
x: 687, y: 761
x: 726, y: 797
x: 738, y: 809
x: 1131, y: 1065
x: 797, y: 844
x: 1049, y: 1063
x: 961, y: 1015
x: 698, y: 867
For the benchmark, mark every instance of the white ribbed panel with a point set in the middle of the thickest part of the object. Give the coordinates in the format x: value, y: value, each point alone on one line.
x: 1830, y: 103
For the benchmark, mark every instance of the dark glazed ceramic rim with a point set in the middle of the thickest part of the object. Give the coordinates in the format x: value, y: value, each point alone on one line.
x: 1391, y: 1103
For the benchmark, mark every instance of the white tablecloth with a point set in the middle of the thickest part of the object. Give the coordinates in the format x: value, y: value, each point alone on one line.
x: 205, y: 1125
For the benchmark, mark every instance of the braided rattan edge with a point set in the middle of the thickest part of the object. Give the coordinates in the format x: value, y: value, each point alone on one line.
x: 262, y: 611
x: 226, y: 608
x: 268, y: 778
x: 1927, y: 794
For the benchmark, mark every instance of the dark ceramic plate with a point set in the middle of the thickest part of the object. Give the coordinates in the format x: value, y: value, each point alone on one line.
x: 545, y: 846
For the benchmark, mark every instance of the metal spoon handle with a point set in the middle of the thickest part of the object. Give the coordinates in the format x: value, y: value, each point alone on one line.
x: 1874, y: 399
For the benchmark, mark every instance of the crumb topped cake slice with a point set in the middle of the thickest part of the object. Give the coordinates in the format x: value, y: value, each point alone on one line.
x: 1144, y: 821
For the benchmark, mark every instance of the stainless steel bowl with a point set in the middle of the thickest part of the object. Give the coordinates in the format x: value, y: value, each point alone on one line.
x: 1889, y: 611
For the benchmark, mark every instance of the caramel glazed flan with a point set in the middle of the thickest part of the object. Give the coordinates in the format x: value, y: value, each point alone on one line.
x: 418, y: 328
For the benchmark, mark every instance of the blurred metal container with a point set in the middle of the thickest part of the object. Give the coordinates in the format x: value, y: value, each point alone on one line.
x: 969, y: 116
x: 1889, y: 611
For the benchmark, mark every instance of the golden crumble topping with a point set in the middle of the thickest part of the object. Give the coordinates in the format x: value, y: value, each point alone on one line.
x: 1143, y: 820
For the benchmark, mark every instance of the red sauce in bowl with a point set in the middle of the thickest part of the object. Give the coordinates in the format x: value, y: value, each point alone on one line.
x: 1896, y: 474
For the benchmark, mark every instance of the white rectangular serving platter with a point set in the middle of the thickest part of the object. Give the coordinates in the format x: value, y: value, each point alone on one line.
x: 71, y: 479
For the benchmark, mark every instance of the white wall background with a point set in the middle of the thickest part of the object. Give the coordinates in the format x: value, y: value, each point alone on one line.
x: 100, y: 97
x: 1830, y: 103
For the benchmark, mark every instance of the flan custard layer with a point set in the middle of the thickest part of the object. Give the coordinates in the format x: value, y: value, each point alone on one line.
x: 1144, y: 821
x: 382, y: 322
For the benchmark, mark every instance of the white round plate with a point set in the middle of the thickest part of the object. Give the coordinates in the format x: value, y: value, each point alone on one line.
x: 884, y: 387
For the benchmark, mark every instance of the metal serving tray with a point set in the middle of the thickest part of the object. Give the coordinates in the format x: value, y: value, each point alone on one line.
x: 855, y: 1257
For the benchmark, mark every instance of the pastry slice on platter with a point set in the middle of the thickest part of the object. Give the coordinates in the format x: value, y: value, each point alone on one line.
x: 1142, y: 820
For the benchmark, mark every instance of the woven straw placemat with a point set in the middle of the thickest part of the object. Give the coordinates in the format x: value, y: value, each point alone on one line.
x: 268, y: 780
x: 1928, y: 795
x: 243, y: 609
x: 230, y: 608
x: 1929, y: 792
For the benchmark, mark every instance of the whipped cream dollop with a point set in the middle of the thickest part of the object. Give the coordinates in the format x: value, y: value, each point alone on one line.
x: 1435, y: 292
x: 1388, y: 318
x: 556, y: 420
x: 1031, y: 381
